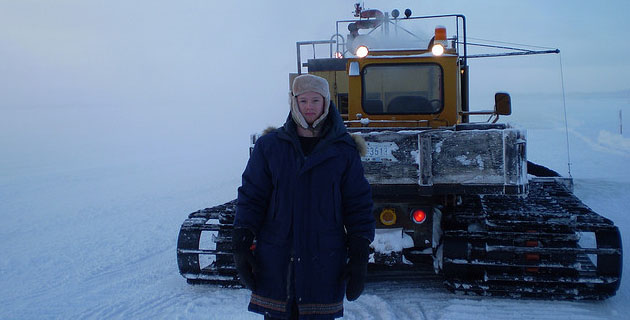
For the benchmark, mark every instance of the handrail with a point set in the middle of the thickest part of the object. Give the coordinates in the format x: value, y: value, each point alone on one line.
x: 299, y: 45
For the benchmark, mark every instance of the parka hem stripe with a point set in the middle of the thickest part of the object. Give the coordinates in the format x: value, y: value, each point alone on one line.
x: 321, y: 308
x: 272, y: 304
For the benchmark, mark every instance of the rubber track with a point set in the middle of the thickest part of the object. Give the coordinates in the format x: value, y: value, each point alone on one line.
x: 530, y: 246
x: 493, y: 245
x: 216, y: 226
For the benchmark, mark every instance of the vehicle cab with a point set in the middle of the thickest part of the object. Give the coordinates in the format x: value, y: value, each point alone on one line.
x: 381, y: 74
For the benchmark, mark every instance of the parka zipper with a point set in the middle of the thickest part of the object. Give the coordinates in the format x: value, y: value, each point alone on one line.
x: 290, y: 281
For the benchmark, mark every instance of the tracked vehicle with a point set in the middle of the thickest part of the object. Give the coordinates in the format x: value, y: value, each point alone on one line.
x: 455, y: 199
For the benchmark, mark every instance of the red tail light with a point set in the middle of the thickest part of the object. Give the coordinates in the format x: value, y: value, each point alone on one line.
x: 418, y: 216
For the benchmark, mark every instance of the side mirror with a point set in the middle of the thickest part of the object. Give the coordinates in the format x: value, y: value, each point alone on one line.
x: 502, y: 104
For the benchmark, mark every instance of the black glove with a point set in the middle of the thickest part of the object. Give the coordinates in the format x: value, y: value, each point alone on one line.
x: 242, y: 240
x: 356, y: 269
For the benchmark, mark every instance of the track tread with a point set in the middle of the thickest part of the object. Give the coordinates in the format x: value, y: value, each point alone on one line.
x: 529, y: 246
x: 221, y: 271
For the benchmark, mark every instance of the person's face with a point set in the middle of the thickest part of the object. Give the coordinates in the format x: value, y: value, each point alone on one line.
x: 311, y: 105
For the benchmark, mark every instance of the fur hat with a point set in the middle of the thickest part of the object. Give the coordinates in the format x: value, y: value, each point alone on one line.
x: 306, y: 83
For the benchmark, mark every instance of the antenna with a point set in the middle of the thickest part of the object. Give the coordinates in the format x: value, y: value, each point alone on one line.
x: 357, y: 9
x: 566, y: 126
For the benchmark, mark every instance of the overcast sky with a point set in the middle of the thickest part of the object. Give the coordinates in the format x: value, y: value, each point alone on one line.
x: 93, y: 53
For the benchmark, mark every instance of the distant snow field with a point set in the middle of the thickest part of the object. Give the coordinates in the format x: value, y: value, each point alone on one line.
x: 92, y: 201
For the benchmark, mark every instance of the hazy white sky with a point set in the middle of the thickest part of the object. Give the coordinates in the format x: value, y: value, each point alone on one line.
x: 200, y: 52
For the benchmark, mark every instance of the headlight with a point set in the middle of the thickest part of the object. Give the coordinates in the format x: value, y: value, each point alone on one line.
x: 362, y: 51
x: 437, y: 49
x: 439, y: 41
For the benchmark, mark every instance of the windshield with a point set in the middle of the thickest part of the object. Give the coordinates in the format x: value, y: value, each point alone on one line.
x: 402, y: 89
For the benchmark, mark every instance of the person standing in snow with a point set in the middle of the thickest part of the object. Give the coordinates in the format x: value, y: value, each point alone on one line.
x: 306, y: 202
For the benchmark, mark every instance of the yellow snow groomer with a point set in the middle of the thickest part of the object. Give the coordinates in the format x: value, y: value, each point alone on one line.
x: 455, y: 199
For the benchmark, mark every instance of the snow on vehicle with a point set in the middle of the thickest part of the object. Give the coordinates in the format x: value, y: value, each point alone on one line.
x: 452, y: 197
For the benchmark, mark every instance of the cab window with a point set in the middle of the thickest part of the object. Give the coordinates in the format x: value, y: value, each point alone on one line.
x: 402, y: 89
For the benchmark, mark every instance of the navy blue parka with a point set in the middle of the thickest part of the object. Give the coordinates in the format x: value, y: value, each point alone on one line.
x: 302, y: 211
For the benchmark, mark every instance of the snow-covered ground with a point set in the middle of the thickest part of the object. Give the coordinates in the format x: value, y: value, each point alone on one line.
x: 91, y: 201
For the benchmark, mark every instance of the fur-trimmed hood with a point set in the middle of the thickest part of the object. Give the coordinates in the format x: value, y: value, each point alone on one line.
x: 361, y: 144
x: 359, y: 141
